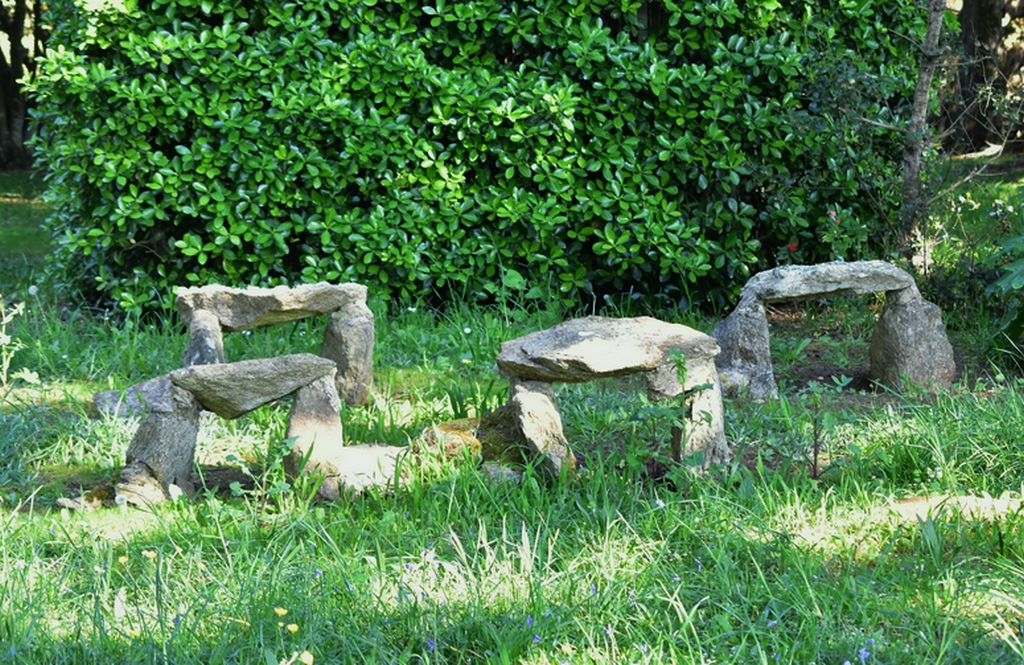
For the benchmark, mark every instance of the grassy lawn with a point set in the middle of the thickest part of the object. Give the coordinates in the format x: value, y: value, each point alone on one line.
x: 24, y: 242
x: 907, y: 548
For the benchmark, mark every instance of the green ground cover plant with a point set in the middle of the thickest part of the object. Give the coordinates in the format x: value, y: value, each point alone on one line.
x: 424, y: 149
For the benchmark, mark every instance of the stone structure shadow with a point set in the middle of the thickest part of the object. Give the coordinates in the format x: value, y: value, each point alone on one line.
x: 908, y: 346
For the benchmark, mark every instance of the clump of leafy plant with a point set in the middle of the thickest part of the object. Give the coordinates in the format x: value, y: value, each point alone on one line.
x: 423, y: 149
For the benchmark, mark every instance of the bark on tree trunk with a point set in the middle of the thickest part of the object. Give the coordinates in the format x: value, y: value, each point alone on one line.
x: 916, y: 138
x: 12, y: 98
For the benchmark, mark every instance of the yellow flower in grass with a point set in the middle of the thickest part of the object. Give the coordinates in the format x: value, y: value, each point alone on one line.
x: 306, y: 658
x: 292, y: 627
x: 149, y: 554
x: 280, y: 611
x: 123, y: 560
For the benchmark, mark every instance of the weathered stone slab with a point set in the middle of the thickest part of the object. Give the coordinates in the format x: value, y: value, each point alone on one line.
x: 233, y: 389
x: 251, y: 307
x: 826, y: 280
x: 599, y: 347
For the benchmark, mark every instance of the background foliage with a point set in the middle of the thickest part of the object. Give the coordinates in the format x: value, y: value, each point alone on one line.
x: 603, y: 146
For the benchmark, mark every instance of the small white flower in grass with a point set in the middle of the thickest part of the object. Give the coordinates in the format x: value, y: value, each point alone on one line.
x: 467, y: 330
x: 33, y: 290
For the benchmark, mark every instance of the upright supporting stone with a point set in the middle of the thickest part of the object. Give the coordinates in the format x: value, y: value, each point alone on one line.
x: 909, y: 344
x: 205, y: 343
x: 158, y: 464
x: 315, y: 424
x: 535, y: 412
x: 746, y: 359
x: 348, y: 341
x: 705, y: 423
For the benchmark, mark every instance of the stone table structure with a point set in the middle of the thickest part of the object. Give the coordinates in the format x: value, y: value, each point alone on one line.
x: 597, y: 347
x: 160, y: 457
x: 909, y: 344
x: 158, y: 464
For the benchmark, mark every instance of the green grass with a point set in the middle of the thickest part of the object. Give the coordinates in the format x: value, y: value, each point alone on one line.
x: 751, y: 562
x: 23, y: 242
x: 895, y: 553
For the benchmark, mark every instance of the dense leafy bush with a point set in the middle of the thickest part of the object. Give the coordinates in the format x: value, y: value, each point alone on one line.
x: 598, y: 145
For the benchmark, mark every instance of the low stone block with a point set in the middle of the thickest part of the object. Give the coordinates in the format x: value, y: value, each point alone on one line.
x: 535, y: 412
x: 353, y: 469
x: 136, y: 400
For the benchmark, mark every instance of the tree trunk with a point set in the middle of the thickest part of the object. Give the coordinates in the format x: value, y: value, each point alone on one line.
x: 981, y: 33
x: 916, y: 138
x: 12, y: 130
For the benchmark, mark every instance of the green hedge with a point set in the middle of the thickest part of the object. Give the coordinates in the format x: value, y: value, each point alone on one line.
x: 420, y: 148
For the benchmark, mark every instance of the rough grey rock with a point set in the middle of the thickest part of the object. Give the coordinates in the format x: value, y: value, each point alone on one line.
x: 746, y: 351
x: 251, y: 307
x: 535, y: 412
x: 137, y: 400
x: 315, y: 424
x: 355, y: 468
x: 598, y: 347
x: 910, y: 321
x: 348, y: 341
x: 705, y: 421
x: 206, y: 345
x: 909, y: 344
x: 826, y: 280
x: 233, y: 389
x: 161, y: 453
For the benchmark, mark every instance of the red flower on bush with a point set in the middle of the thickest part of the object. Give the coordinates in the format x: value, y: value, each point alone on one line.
x: 791, y: 246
